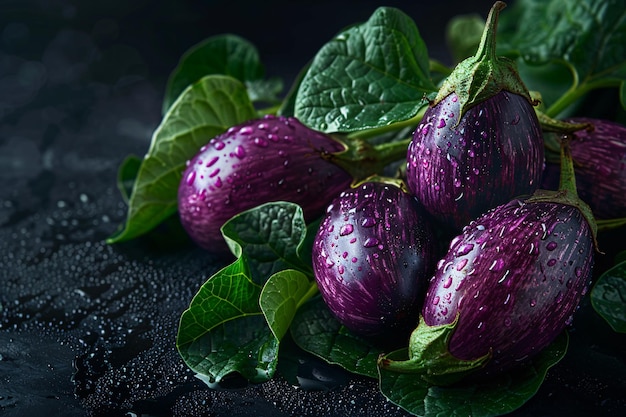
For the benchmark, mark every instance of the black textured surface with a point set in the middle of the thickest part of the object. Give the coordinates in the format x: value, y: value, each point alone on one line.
x: 89, y: 329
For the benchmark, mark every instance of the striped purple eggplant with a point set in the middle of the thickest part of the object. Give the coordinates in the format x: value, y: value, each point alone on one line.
x: 372, y: 257
x: 259, y: 161
x: 514, y: 278
x: 509, y: 284
x: 600, y: 162
x: 479, y: 144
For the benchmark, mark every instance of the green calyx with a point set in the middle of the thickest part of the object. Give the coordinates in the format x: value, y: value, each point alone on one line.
x: 485, y: 74
x: 430, y: 358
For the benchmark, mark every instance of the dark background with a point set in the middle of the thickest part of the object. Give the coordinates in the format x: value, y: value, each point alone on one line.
x: 88, y: 328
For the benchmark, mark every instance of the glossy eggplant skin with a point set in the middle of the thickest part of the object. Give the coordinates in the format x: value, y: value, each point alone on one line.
x: 514, y: 277
x: 600, y: 163
x: 259, y: 161
x: 494, y: 153
x: 372, y: 256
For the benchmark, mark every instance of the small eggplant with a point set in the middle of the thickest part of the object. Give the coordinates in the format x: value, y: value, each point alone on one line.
x: 509, y: 284
x: 372, y: 256
x: 480, y: 143
x: 600, y: 162
x: 259, y: 161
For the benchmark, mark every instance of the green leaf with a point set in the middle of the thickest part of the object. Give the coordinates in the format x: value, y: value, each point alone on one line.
x: 315, y: 330
x: 588, y: 35
x: 225, y: 54
x: 225, y: 329
x: 204, y: 110
x: 493, y: 397
x: 368, y: 76
x: 268, y: 236
x: 281, y: 296
x: 608, y: 297
x: 126, y: 176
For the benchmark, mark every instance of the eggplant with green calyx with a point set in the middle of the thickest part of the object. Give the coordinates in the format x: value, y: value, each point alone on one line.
x: 479, y: 143
x: 599, y: 156
x: 509, y: 284
x: 372, y: 256
x: 259, y: 161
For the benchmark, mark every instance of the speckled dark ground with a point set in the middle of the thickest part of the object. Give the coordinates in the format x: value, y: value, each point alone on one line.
x: 89, y: 329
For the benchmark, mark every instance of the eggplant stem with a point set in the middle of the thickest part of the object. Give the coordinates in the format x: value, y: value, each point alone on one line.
x: 487, y: 45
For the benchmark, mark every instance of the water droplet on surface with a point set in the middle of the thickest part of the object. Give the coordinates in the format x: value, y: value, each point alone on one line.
x: 533, y: 302
x: 436, y: 300
x: 191, y: 177
x: 551, y: 245
x: 552, y: 262
x: 346, y: 229
x: 441, y: 124
x: 341, y: 269
x: 246, y: 130
x: 219, y: 145
x: 240, y: 152
x: 448, y: 282
x: 465, y: 249
x: 261, y: 142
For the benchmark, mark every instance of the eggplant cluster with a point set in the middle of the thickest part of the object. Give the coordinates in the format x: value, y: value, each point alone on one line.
x: 520, y: 260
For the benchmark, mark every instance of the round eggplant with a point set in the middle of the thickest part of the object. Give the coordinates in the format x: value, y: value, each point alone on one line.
x: 372, y: 256
x: 259, y: 161
x: 460, y: 169
x: 480, y: 142
x: 600, y: 163
x: 512, y: 280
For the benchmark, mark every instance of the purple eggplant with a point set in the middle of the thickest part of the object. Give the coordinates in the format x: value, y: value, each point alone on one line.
x: 479, y: 144
x: 514, y: 277
x: 372, y: 257
x: 259, y: 161
x: 600, y: 163
x: 509, y: 284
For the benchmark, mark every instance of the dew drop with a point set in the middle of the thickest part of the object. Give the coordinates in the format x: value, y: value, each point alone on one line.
x: 462, y: 263
x: 551, y: 245
x: 533, y: 302
x: 341, y: 269
x: 368, y: 222
x: 261, y: 142
x: 442, y: 123
x: 219, y: 145
x: 465, y: 249
x: 552, y: 262
x: 191, y: 177
x: 240, y: 152
x: 436, y: 300
x: 346, y: 229
x: 246, y: 130
x: 212, y: 161
x: 448, y: 282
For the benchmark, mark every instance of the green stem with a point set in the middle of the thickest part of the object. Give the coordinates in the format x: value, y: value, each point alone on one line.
x: 567, y: 180
x: 312, y: 291
x: 487, y: 46
x: 362, y: 159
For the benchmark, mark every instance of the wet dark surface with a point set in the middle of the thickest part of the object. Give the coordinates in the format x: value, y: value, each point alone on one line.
x: 89, y: 329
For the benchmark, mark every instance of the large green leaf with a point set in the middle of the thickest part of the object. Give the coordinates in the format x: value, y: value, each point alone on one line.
x: 236, y: 320
x: 493, y: 397
x: 370, y: 75
x: 224, y: 54
x: 608, y: 297
x: 204, y: 110
x: 587, y: 35
x: 317, y: 331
